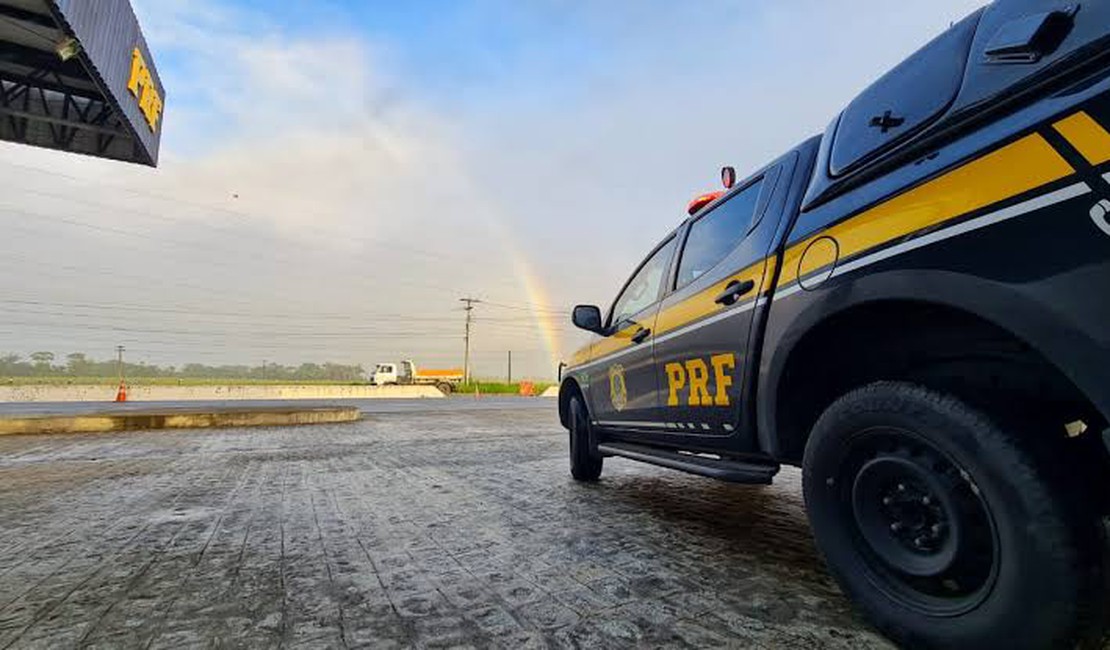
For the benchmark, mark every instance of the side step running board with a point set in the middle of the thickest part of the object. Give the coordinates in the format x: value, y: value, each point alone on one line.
x: 733, y: 471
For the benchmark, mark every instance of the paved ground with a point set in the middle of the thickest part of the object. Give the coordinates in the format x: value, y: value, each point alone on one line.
x: 448, y: 528
x: 378, y: 405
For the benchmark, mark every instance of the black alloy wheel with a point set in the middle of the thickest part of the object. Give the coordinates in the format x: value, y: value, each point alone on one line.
x: 948, y: 529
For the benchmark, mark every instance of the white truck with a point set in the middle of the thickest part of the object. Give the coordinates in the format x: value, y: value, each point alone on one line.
x: 405, y: 373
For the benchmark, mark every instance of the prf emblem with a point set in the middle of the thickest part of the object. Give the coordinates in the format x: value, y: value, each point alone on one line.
x: 618, y: 392
x: 694, y: 377
x: 141, y: 84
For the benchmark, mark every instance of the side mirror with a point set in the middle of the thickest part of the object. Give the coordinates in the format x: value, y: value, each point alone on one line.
x: 587, y: 317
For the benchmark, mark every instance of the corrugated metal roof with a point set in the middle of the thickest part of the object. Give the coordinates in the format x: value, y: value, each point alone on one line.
x: 108, y: 32
x: 83, y: 104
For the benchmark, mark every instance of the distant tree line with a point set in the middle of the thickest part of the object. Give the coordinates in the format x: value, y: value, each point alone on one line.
x: 78, y: 364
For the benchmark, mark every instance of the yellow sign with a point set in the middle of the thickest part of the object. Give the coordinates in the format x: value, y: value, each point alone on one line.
x: 142, y: 86
x: 694, y: 376
x: 618, y: 391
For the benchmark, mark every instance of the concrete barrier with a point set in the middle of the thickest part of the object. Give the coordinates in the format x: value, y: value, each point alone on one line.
x: 140, y: 393
x: 176, y: 419
x: 552, y: 391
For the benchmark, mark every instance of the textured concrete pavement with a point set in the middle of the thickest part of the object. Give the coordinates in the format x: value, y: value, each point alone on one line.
x: 452, y: 528
x: 108, y: 420
x: 377, y: 405
x: 148, y: 393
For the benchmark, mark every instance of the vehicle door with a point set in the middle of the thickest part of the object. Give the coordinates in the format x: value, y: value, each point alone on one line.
x: 406, y: 374
x: 622, y: 380
x: 703, y: 325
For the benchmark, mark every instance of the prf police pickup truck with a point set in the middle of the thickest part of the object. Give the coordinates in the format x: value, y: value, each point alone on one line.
x: 915, y: 309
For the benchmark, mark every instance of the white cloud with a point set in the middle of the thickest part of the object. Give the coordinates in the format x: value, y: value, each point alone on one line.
x: 304, y: 181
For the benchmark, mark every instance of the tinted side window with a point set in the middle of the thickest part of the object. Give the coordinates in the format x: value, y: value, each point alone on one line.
x: 643, y: 290
x: 714, y: 235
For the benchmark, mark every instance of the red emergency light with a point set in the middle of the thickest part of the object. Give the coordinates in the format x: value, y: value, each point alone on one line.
x: 728, y: 179
x: 701, y: 201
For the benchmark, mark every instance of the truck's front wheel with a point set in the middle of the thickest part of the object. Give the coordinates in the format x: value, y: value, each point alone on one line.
x: 943, y: 527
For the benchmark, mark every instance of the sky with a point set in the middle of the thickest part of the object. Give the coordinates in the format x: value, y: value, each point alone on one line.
x: 336, y: 174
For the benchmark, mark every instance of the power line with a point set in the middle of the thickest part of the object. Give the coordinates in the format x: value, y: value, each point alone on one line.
x: 532, y: 307
x: 207, y: 246
x: 196, y: 245
x: 246, y: 218
x: 336, y: 325
x: 284, y: 316
x: 210, y: 329
x: 206, y: 225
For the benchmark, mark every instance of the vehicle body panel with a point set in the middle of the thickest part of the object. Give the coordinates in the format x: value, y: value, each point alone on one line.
x: 617, y: 371
x: 1006, y: 219
x: 623, y: 389
x: 1007, y: 236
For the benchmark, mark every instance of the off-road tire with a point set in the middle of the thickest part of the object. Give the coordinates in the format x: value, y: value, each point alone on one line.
x: 1045, y: 580
x: 585, y: 462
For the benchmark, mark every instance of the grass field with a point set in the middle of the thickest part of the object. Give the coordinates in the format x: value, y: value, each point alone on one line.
x: 498, y: 388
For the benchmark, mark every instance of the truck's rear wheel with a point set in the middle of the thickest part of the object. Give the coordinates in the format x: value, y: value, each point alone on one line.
x: 445, y: 387
x: 585, y: 462
x: 943, y: 527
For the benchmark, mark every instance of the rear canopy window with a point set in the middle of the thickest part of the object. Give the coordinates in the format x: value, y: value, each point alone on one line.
x: 714, y: 235
x: 905, y: 99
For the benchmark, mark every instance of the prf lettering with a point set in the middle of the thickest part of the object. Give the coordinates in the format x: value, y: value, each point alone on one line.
x: 693, y: 376
x: 141, y: 84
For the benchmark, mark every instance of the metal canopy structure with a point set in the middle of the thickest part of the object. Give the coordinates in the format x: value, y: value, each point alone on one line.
x: 76, y: 75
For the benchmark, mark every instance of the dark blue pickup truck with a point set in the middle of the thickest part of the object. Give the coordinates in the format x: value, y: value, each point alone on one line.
x: 915, y: 309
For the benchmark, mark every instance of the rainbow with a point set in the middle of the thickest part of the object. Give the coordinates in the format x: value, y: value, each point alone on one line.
x: 538, y: 299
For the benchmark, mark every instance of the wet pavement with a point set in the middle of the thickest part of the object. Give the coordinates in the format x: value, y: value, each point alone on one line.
x: 375, y: 405
x: 457, y: 527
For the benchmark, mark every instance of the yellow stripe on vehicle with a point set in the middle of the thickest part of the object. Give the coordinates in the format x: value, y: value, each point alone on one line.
x: 768, y: 274
x: 703, y: 303
x: 1087, y: 136
x: 1019, y: 167
x: 619, y: 340
x: 694, y: 308
x: 1016, y: 168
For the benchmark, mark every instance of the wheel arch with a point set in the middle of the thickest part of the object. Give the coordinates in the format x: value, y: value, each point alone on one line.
x: 835, y: 339
x: 567, y: 391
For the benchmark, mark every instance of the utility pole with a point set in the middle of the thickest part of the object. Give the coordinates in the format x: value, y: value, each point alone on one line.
x: 510, y: 367
x: 470, y: 302
x: 121, y: 394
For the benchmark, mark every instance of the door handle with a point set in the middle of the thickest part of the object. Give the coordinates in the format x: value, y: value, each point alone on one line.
x: 641, y: 336
x: 734, y: 291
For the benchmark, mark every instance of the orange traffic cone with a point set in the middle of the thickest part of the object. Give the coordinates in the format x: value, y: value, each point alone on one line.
x: 121, y: 395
